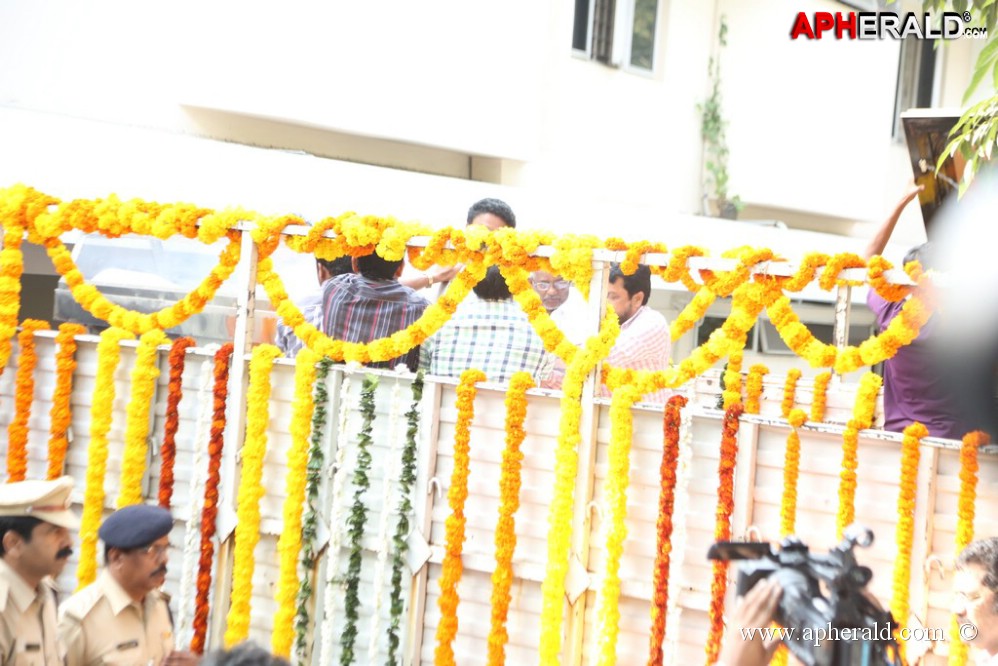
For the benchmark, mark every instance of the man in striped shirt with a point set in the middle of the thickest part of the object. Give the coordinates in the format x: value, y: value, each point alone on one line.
x: 490, y: 332
x: 370, y: 304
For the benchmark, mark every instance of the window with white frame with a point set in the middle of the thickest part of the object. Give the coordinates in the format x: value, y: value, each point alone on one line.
x: 620, y: 33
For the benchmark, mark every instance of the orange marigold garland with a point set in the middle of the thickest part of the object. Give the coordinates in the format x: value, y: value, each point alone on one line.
x: 819, y: 396
x: 866, y: 403
x: 223, y: 359
x: 108, y: 356
x: 904, y: 534
x: 753, y: 388
x: 965, y: 524
x: 168, y: 453
x: 457, y: 493
x: 791, y: 468
x: 722, y: 527
x: 733, y: 380
x: 789, y: 392
x: 144, y: 375
x: 61, y: 414
x: 509, y: 502
x: 663, y: 526
x: 24, y: 395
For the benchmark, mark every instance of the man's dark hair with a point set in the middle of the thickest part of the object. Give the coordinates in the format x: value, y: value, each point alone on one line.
x: 374, y: 267
x: 23, y: 525
x: 337, y: 266
x: 983, y: 553
x: 640, y: 280
x: 497, y: 207
x: 493, y: 286
x: 244, y: 654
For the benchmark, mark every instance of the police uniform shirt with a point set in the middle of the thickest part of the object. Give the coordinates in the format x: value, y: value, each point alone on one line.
x: 27, y: 622
x: 102, y: 624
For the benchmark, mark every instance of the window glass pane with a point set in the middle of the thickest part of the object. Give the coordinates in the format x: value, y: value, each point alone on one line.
x: 580, y: 29
x: 643, y: 35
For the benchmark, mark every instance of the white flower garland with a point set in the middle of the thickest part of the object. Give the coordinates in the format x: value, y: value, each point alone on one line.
x: 333, y: 582
x: 384, y: 543
x: 680, y: 508
x: 192, y: 531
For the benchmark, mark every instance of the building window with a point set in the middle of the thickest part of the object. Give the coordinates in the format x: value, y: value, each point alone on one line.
x: 616, y: 33
x: 916, y: 80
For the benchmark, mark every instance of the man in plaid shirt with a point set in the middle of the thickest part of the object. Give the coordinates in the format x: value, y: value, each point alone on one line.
x: 370, y: 304
x: 490, y: 333
x: 644, y: 340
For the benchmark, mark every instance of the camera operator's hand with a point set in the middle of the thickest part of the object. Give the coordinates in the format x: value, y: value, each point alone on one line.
x: 754, y: 611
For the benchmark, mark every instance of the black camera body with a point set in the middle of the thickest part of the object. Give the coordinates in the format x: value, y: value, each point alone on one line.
x: 833, y: 621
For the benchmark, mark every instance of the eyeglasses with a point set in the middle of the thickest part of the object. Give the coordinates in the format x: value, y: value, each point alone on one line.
x: 155, y: 550
x: 557, y: 284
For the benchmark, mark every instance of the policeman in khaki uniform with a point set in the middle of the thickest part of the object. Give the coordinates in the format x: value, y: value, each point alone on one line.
x: 123, y: 618
x: 34, y: 546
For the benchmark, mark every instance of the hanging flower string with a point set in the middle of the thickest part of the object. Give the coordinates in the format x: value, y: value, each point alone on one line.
x: 296, y: 478
x: 250, y: 492
x: 663, y: 528
x: 509, y: 503
x: 677, y: 549
x: 192, y: 530
x: 565, y: 469
x: 407, y: 478
x: 866, y: 403
x: 733, y: 380
x: 144, y: 375
x: 24, y: 395
x: 357, y: 520
x: 216, y: 441
x: 789, y: 392
x: 791, y: 472
x: 168, y: 452
x: 904, y: 531
x: 820, y: 396
x: 753, y: 388
x: 969, y: 467
x: 61, y: 414
x: 310, y: 516
x: 391, y: 472
x: 722, y: 528
x: 457, y: 494
x: 108, y: 356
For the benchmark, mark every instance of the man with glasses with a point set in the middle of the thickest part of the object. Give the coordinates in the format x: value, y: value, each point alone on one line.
x: 123, y: 618
x: 568, y: 312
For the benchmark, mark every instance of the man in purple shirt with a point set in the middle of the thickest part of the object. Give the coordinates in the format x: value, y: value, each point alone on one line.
x: 370, y: 304
x: 914, y: 389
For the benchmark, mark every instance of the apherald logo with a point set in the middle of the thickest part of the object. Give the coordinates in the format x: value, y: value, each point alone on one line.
x: 876, y: 25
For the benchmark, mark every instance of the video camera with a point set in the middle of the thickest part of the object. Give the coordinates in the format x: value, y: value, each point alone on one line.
x: 834, y: 622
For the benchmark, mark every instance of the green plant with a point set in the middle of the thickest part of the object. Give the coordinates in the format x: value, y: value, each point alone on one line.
x: 712, y: 131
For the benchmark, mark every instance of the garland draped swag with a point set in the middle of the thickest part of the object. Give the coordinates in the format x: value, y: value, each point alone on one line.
x: 42, y: 219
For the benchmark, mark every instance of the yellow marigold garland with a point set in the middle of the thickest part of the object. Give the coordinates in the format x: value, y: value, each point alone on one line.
x: 753, y: 387
x: 678, y: 269
x: 862, y: 418
x: 965, y: 524
x: 615, y: 490
x: 108, y: 356
x: 565, y: 468
x: 509, y: 502
x: 250, y: 491
x: 876, y: 267
x: 733, y: 380
x: 692, y: 313
x: 900, y: 601
x: 24, y: 395
x: 789, y: 392
x: 144, y: 375
x: 722, y: 527
x: 457, y: 494
x: 791, y: 472
x: 61, y: 414
x: 289, y: 543
x: 819, y: 396
x: 829, y: 277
